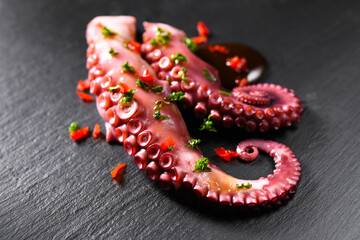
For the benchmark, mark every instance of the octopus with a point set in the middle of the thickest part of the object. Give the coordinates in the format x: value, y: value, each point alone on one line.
x: 261, y: 107
x: 137, y: 99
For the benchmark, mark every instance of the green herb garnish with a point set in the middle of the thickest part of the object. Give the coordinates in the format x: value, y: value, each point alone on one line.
x: 113, y: 88
x: 73, y: 127
x: 127, y: 96
x: 127, y: 68
x: 208, y: 76
x: 190, y: 44
x: 146, y: 87
x: 225, y: 93
x: 170, y: 148
x: 175, y: 97
x: 157, y: 115
x: 193, y: 143
x: 207, y: 125
x: 158, y: 105
x: 113, y: 53
x: 178, y: 58
x: 161, y: 37
x: 157, y: 88
x: 241, y: 186
x: 107, y: 32
x: 182, y: 75
x: 201, y: 165
x: 153, y: 42
x: 142, y: 84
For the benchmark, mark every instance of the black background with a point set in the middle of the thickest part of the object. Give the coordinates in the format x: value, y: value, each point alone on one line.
x: 51, y: 187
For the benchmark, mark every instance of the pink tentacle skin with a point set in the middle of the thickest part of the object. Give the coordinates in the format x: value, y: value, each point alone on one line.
x: 143, y: 132
x: 260, y: 107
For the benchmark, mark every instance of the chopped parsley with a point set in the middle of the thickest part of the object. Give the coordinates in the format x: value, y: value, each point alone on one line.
x: 190, y: 44
x: 146, y: 87
x: 208, y: 76
x: 73, y: 127
x: 182, y: 75
x: 170, y: 148
x: 113, y: 88
x: 241, y: 186
x: 127, y: 96
x: 153, y: 42
x: 107, y: 32
x: 178, y: 58
x: 207, y: 125
x: 157, y: 88
x: 157, y: 115
x: 127, y: 68
x: 158, y: 105
x: 175, y: 96
x: 113, y: 53
x: 142, y: 84
x: 161, y: 37
x: 193, y: 143
x: 202, y: 165
x: 225, y: 93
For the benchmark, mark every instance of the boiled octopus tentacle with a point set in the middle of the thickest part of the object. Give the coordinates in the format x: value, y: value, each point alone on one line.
x: 142, y: 135
x: 260, y: 107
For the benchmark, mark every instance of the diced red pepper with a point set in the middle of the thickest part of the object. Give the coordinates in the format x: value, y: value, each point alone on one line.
x: 118, y: 172
x: 200, y: 39
x: 202, y: 29
x: 242, y: 82
x: 133, y: 46
x: 79, y: 133
x: 83, y: 85
x: 123, y: 87
x: 226, y: 154
x: 221, y: 49
x: 218, y: 48
x: 96, y: 131
x: 236, y: 63
x: 84, y: 96
x: 146, y: 76
x: 167, y: 143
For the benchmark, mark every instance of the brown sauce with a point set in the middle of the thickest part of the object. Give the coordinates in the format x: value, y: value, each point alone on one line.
x: 228, y: 76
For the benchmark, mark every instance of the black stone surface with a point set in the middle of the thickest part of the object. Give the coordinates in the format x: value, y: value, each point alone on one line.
x: 51, y: 187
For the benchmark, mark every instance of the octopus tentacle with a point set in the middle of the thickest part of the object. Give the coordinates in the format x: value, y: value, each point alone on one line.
x: 209, y: 97
x: 143, y: 133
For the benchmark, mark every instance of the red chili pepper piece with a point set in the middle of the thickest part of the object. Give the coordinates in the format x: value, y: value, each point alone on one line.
x: 96, y: 131
x: 242, y: 82
x: 167, y: 143
x: 123, y: 87
x: 202, y: 29
x: 236, y: 63
x: 221, y: 49
x: 133, y: 46
x: 84, y: 96
x: 146, y: 76
x: 79, y: 133
x: 200, y: 39
x: 218, y: 48
x: 226, y: 154
x: 118, y: 172
x: 83, y: 85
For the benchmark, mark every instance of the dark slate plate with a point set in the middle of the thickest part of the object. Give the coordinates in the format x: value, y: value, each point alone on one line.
x: 51, y: 187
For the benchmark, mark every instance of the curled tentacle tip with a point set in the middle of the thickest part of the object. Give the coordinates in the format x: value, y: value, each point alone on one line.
x: 247, y: 152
